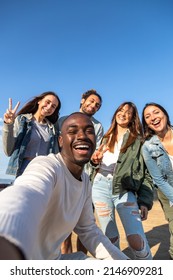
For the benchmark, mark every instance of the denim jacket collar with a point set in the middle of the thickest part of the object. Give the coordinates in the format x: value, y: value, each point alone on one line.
x: 154, y: 140
x: 29, y: 117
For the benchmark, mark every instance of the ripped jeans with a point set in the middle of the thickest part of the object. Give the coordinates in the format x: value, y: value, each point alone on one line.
x: 125, y: 204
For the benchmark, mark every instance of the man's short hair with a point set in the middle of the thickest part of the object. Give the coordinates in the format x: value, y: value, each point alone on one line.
x: 86, y: 94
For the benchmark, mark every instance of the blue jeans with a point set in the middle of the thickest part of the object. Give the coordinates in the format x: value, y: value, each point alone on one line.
x: 126, y: 205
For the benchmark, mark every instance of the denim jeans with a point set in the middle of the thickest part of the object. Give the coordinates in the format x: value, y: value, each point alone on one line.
x: 168, y: 211
x: 127, y: 208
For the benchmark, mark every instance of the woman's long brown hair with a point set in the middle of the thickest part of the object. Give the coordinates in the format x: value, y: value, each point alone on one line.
x: 148, y: 132
x: 134, y: 127
x: 32, y: 106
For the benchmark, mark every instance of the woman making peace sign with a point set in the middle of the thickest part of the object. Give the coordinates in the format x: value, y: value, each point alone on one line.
x: 30, y: 132
x: 122, y: 181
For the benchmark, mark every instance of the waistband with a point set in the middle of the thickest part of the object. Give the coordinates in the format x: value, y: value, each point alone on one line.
x: 106, y: 173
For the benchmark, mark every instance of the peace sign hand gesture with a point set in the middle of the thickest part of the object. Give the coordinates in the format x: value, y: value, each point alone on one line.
x: 10, y: 114
x: 98, y: 154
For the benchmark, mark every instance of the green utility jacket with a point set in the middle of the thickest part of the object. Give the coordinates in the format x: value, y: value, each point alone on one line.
x: 131, y: 174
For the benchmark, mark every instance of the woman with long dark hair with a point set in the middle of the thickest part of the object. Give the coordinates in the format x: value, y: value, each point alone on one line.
x: 31, y: 131
x: 158, y: 155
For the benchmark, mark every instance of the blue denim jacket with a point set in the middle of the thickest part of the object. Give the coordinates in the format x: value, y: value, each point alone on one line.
x: 22, y: 140
x: 159, y: 165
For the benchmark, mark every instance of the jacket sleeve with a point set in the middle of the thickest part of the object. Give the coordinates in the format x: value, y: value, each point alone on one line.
x: 99, y: 136
x: 9, y: 136
x: 156, y: 174
x: 145, y: 193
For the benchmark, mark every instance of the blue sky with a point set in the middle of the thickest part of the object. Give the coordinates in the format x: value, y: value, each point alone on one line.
x: 121, y: 48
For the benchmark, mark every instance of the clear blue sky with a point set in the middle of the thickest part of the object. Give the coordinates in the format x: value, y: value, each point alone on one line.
x: 121, y: 48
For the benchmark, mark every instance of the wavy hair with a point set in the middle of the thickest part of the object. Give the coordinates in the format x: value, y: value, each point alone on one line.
x: 32, y: 106
x: 148, y: 132
x: 86, y: 94
x: 134, y: 126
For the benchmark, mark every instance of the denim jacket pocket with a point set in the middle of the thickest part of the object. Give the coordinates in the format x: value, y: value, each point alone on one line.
x: 156, y: 154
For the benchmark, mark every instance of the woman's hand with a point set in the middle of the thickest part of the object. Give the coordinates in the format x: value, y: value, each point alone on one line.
x: 10, y: 114
x: 144, y: 212
x: 98, y: 154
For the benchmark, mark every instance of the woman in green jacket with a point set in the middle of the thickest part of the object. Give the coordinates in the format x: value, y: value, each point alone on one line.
x: 122, y: 182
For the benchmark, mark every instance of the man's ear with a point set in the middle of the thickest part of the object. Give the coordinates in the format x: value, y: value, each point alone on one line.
x: 60, y: 141
x: 82, y: 101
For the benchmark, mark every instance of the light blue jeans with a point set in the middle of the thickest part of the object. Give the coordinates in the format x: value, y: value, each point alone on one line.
x: 126, y: 205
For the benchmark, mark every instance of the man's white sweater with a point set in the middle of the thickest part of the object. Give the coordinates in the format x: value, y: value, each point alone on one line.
x: 45, y: 205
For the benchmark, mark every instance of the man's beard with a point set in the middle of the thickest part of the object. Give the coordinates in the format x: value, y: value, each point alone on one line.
x: 86, y: 113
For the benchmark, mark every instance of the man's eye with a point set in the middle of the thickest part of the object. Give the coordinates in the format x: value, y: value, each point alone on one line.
x: 90, y: 131
x: 72, y: 132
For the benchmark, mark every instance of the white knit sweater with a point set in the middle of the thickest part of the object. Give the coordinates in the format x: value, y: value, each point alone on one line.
x: 45, y: 205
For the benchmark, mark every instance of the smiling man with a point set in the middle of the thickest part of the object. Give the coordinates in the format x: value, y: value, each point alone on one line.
x: 51, y: 199
x: 90, y: 103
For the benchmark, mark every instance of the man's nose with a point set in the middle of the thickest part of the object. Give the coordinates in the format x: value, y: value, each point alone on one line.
x: 93, y: 105
x: 81, y: 133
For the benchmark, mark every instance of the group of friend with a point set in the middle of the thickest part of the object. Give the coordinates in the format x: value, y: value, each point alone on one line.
x: 67, y: 170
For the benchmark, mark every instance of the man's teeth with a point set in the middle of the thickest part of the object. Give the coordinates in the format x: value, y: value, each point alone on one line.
x: 82, y: 147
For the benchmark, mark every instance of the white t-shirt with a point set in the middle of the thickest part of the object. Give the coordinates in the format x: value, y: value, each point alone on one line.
x: 171, y: 159
x: 110, y: 159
